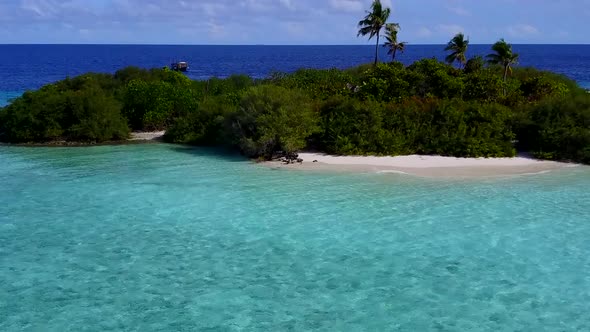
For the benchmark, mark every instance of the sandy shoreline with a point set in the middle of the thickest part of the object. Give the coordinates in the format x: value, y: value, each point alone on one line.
x: 147, y: 136
x: 426, y: 166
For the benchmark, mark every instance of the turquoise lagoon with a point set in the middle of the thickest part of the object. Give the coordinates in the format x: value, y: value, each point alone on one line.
x: 7, y: 96
x: 170, y: 238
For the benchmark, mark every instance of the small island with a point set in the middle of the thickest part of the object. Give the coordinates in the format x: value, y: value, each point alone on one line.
x: 476, y: 107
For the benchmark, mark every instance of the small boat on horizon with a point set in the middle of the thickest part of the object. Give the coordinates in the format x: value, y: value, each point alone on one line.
x: 179, y: 66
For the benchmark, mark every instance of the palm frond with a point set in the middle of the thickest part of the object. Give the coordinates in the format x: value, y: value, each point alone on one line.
x: 365, y: 31
x: 458, y: 45
x: 450, y: 58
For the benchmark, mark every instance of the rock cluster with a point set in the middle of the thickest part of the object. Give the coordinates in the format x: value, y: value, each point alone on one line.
x: 287, y: 157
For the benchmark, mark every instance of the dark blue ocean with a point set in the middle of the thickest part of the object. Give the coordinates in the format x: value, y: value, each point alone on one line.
x: 24, y: 67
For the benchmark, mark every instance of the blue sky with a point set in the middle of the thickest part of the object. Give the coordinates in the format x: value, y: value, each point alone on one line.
x: 287, y: 21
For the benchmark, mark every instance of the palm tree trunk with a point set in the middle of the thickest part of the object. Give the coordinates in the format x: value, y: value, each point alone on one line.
x: 377, y: 49
x: 394, y: 51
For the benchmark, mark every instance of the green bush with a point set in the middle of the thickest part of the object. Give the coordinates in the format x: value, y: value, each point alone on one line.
x: 426, y: 108
x: 350, y: 127
x: 129, y: 74
x: 474, y: 65
x: 483, y: 85
x: 271, y: 119
x: 469, y: 130
x: 87, y: 114
x: 526, y: 73
x: 385, y: 82
x: 558, y: 128
x: 318, y: 84
x: 540, y: 87
x: 204, y: 124
x: 95, y: 116
x: 434, y: 78
x: 416, y: 126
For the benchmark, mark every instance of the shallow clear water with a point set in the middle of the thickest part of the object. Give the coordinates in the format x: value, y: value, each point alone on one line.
x: 167, y: 238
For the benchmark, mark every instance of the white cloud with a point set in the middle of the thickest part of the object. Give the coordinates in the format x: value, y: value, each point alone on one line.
x: 296, y: 29
x: 347, y: 5
x: 215, y: 30
x: 458, y: 10
x: 522, y: 30
x: 255, y: 5
x: 387, y: 3
x: 561, y: 34
x: 41, y: 8
x: 212, y: 9
x: 278, y: 21
x: 288, y: 4
x: 424, y: 32
x: 450, y: 29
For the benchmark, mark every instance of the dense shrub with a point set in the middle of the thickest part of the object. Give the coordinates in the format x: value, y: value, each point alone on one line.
x: 426, y: 108
x: 558, y: 128
x: 483, y: 85
x: 317, y: 83
x: 385, y: 82
x: 468, y: 130
x: 271, y: 119
x: 217, y: 86
x: 350, y: 127
x: 129, y: 74
x: 416, y: 126
x: 152, y: 105
x: 87, y: 114
x: 526, y: 73
x: 434, y: 78
x: 540, y: 87
x: 205, y: 124
x: 94, y: 116
x: 474, y: 65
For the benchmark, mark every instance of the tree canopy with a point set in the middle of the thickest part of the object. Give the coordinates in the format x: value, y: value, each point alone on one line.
x: 428, y: 107
x: 503, y: 56
x: 391, y: 42
x: 458, y: 48
x: 373, y: 23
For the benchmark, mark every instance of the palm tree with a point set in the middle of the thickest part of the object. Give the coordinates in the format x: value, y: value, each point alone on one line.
x: 458, y: 47
x: 503, y: 56
x: 391, y: 43
x: 373, y: 23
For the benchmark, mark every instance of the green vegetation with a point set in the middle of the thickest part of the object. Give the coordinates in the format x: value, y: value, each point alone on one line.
x: 430, y: 107
x: 80, y: 109
x: 270, y: 119
x: 557, y: 128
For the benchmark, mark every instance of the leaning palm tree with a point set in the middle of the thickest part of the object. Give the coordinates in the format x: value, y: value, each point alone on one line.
x: 458, y: 47
x: 391, y: 43
x: 503, y: 56
x: 373, y: 23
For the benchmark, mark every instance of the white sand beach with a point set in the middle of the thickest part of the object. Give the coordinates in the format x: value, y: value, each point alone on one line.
x: 147, y: 136
x: 427, y: 166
